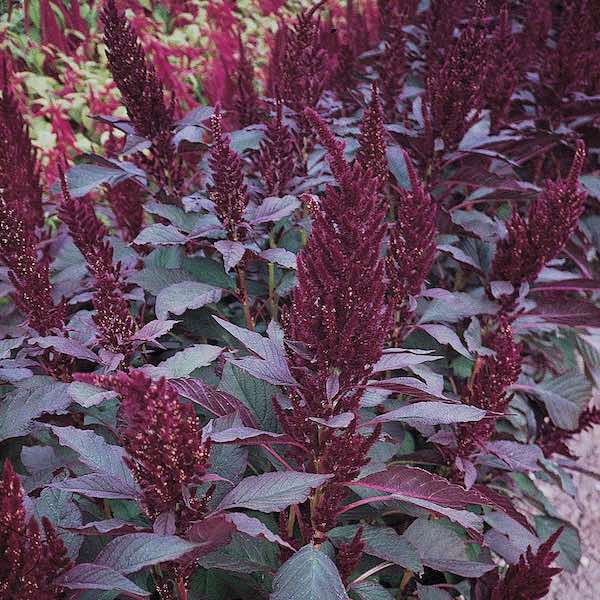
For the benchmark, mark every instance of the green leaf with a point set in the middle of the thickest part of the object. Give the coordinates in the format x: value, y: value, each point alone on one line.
x: 179, y: 297
x: 308, y: 575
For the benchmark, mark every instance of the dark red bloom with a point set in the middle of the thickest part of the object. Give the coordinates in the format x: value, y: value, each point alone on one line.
x: 411, y: 246
x: 491, y: 377
x: 113, y: 318
x: 372, y: 140
x: 553, y: 440
x: 530, y: 244
x: 29, y: 567
x: 19, y: 166
x: 163, y: 440
x: 349, y: 555
x: 455, y: 87
x: 228, y: 190
x: 246, y: 100
x: 277, y: 158
x: 127, y: 202
x: 529, y: 579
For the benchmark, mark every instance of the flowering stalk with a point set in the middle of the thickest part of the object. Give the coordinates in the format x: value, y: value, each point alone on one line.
x: 411, y: 248
x: 246, y: 99
x: 127, y: 202
x: 113, y: 318
x: 163, y: 440
x: 29, y: 567
x: 492, y: 376
x: 339, y: 320
x: 530, y: 244
x: 143, y: 96
x: 530, y: 578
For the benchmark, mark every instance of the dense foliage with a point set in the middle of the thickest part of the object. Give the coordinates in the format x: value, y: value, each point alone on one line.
x: 298, y: 302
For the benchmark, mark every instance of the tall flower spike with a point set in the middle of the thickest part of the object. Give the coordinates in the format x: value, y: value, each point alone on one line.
x: 127, y: 202
x: 228, y: 191
x: 29, y: 567
x: 530, y: 578
x: 143, y: 96
x: 340, y: 321
x: 372, y: 150
x: 277, y: 159
x: 455, y: 87
x: 163, y: 440
x: 113, y: 318
x: 411, y: 247
x: 246, y: 96
x: 19, y: 166
x: 492, y: 376
x: 530, y: 244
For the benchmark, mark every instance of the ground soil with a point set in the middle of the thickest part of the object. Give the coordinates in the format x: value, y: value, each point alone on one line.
x: 585, y: 515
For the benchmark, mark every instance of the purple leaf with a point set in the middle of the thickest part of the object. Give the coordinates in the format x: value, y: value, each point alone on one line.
x: 274, y: 371
x: 153, y: 330
x: 236, y: 434
x: 308, y: 575
x: 87, y: 395
x: 282, y: 257
x: 106, y: 527
x: 421, y: 488
x: 165, y: 524
x: 272, y: 492
x: 254, y: 528
x: 432, y: 413
x: 214, y: 401
x: 444, y: 335
x: 87, y: 576
x: 189, y: 295
x: 210, y: 534
x: 232, y: 252
x: 273, y: 209
x: 99, y: 485
x: 396, y: 359
x: 65, y: 346
x: 134, y: 551
x: 516, y: 456
x: 340, y: 421
x: 185, y: 362
x: 260, y: 345
x: 158, y: 234
x: 567, y: 285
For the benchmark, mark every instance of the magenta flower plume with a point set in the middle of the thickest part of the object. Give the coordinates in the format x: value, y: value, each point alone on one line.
x: 349, y: 555
x: 113, y: 318
x: 338, y: 321
x: 163, y: 439
x: 455, y: 88
x: 246, y: 101
x: 228, y: 191
x: 143, y: 96
x: 302, y: 70
x: 277, y: 158
x: 372, y: 140
x: 492, y: 376
x: 553, y: 217
x: 127, y: 202
x: 19, y: 166
x: 411, y: 246
x: 530, y: 578
x: 29, y: 567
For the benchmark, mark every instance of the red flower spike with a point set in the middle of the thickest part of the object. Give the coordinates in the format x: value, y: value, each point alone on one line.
x: 163, y: 440
x: 372, y: 150
x: 491, y: 377
x: 530, y: 579
x: 349, y: 555
x: 29, y: 566
x: 113, y: 317
x: 530, y: 244
x: 228, y: 191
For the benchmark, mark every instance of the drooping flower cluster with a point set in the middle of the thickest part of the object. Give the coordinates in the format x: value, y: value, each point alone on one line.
x: 411, y: 247
x: 163, y: 440
x: 455, y: 87
x: 338, y: 322
x: 277, y: 158
x: 143, y: 96
x: 553, y: 440
x: 113, y: 318
x: 372, y: 139
x: 530, y: 578
x: 491, y: 377
x: 553, y: 217
x: 21, y: 216
x: 29, y: 566
x: 228, y: 190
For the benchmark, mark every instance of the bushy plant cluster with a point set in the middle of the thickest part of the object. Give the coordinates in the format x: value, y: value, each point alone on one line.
x: 327, y: 337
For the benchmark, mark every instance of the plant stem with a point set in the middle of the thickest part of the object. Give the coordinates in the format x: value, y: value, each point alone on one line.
x: 181, y: 589
x: 243, y: 290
